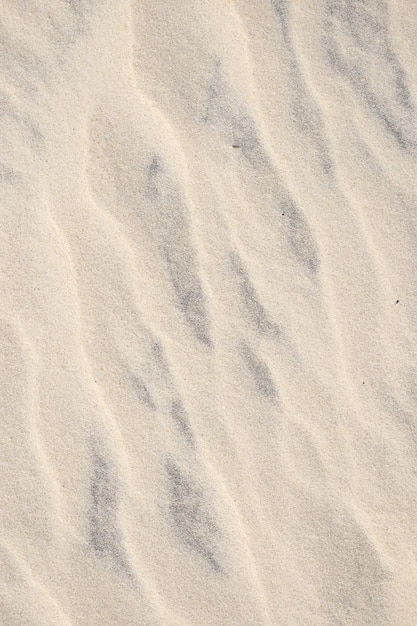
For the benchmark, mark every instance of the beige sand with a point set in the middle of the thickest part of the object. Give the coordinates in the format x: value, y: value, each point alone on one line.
x: 209, y: 312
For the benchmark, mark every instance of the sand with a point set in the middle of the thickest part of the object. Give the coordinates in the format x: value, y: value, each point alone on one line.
x: 208, y: 313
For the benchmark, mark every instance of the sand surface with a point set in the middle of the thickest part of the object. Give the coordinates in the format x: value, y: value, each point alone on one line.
x: 208, y: 336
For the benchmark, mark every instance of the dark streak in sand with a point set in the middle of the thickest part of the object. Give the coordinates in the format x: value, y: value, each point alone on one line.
x: 104, y: 532
x: 260, y: 373
x: 299, y: 235
x: 142, y: 392
x: 257, y: 314
x: 359, y: 49
x: 179, y: 415
x: 192, y: 517
x: 169, y: 224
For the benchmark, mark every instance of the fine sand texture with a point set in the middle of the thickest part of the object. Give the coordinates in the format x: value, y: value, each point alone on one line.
x: 208, y: 337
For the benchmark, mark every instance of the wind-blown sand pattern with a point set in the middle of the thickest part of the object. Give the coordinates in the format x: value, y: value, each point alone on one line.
x: 209, y: 313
